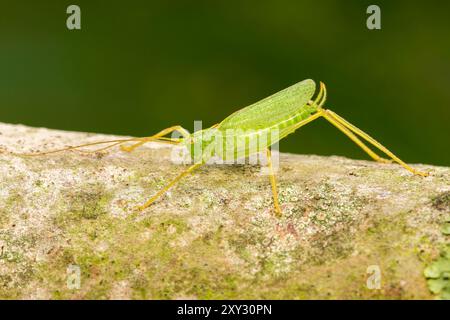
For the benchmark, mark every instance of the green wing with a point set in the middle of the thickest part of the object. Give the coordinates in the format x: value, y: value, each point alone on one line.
x: 273, y: 109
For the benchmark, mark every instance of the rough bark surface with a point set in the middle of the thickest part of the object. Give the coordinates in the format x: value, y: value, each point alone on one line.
x: 214, y: 234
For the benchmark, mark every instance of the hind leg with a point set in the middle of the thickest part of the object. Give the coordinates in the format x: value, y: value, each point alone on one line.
x: 355, y: 139
x: 372, y: 141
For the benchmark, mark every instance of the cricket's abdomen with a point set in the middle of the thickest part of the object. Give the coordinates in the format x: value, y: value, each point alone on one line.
x: 273, y: 109
x: 238, y: 143
x: 301, y: 115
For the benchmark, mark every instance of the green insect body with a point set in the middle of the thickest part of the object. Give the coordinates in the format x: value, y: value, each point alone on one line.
x: 255, y: 127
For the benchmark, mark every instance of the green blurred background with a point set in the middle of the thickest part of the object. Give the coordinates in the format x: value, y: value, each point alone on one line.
x: 136, y: 67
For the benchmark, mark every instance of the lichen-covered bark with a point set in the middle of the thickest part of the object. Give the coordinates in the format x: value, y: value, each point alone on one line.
x: 214, y: 235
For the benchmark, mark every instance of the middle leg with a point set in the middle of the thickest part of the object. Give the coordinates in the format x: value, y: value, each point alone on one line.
x: 273, y: 183
x: 169, y: 185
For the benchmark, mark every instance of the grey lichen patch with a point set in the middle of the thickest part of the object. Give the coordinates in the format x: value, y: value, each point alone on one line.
x: 214, y: 235
x: 442, y: 201
x: 88, y: 202
x: 8, y: 206
x: 13, y: 256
